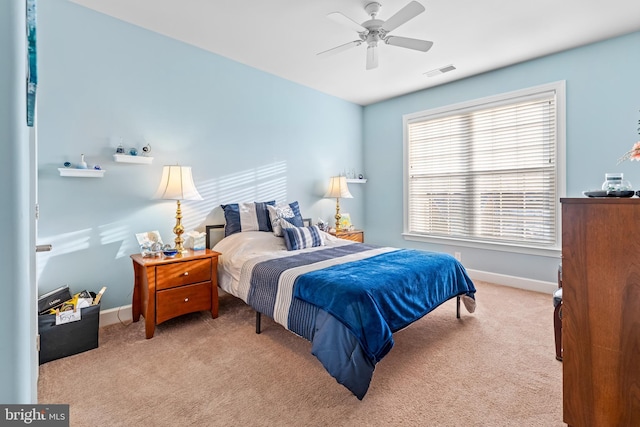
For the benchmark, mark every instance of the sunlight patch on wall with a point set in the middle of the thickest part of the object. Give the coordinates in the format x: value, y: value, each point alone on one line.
x: 260, y: 184
x: 118, y: 233
x: 64, y: 244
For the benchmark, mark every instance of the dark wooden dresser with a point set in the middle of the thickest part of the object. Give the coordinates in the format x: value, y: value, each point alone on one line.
x: 601, y: 311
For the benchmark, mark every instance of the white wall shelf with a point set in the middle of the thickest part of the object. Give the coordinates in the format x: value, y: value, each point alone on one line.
x: 357, y: 181
x: 126, y: 158
x: 82, y: 173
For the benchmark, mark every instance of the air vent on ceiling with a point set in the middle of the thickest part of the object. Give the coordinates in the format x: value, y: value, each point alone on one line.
x: 439, y: 71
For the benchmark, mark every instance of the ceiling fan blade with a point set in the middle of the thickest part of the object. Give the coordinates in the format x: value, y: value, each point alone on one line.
x: 415, y: 44
x: 340, y: 48
x: 372, y: 57
x: 408, y: 12
x: 346, y: 21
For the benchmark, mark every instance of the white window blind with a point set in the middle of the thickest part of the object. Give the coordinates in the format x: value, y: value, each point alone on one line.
x: 486, y: 172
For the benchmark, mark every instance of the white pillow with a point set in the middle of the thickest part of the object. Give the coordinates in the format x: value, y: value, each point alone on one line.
x: 280, y: 213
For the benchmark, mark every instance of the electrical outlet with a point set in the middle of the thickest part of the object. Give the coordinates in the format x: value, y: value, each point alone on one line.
x: 458, y: 256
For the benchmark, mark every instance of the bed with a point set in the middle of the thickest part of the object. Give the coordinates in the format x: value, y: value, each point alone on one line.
x: 346, y: 298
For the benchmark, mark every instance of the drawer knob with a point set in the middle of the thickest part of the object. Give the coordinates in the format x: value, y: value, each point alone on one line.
x: 186, y: 273
x: 186, y: 300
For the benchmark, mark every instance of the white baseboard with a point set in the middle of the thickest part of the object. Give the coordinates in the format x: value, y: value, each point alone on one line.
x: 123, y: 314
x: 514, y: 281
x: 116, y: 315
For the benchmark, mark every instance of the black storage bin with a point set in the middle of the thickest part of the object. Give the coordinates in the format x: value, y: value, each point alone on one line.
x: 58, y: 341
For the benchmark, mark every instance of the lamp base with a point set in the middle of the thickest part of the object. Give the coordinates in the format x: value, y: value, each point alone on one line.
x: 178, y: 230
x: 338, y: 216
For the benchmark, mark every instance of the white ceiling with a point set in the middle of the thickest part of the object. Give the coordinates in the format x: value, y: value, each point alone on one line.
x: 282, y: 37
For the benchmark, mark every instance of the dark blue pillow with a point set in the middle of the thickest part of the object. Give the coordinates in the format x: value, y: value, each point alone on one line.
x: 252, y: 216
x: 297, y: 216
x: 301, y: 237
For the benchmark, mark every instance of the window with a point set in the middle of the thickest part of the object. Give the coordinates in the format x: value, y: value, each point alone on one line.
x: 488, y: 171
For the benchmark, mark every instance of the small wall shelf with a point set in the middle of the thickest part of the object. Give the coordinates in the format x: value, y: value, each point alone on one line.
x: 126, y: 158
x: 82, y: 173
x: 357, y: 181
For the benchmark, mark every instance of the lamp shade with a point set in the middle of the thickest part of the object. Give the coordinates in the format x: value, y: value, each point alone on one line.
x: 177, y: 184
x: 338, y: 188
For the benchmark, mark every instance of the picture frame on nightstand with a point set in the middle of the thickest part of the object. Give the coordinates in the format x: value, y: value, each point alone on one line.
x: 345, y: 221
x: 148, y: 238
x: 150, y: 243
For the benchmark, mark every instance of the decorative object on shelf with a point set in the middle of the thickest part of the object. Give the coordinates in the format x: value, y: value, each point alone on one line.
x: 97, y: 167
x: 82, y: 164
x: 146, y: 150
x: 120, y: 149
x: 360, y: 176
x: 67, y: 164
x: 634, y: 153
x: 338, y: 188
x: 133, y: 151
x: 177, y: 184
x: 615, y: 182
x: 613, y: 186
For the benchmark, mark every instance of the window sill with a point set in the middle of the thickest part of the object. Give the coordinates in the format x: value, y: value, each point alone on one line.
x: 552, y: 252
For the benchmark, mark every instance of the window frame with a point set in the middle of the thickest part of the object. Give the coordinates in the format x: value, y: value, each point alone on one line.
x: 559, y: 88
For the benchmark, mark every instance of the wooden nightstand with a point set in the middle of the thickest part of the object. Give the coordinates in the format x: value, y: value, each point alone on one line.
x: 353, y: 235
x: 165, y: 288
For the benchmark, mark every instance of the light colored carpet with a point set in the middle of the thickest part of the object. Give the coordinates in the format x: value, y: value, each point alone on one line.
x: 495, y: 367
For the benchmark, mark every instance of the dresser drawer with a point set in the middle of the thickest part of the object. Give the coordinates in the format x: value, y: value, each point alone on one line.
x: 185, y: 299
x: 183, y: 273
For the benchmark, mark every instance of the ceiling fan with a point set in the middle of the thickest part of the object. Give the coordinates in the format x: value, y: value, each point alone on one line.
x: 375, y: 30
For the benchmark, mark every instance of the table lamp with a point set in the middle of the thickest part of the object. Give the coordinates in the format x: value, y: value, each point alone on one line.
x: 177, y: 184
x: 337, y: 189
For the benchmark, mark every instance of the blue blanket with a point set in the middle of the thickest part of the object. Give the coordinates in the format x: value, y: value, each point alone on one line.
x: 416, y: 283
x: 380, y: 295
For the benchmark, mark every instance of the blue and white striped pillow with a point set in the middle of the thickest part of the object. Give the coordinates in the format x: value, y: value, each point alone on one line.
x: 252, y: 216
x: 301, y: 237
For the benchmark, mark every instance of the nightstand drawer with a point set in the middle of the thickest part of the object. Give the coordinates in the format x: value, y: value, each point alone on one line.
x: 354, y: 235
x: 186, y: 299
x: 183, y: 273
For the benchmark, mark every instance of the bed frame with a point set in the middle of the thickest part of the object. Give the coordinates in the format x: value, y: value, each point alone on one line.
x: 218, y: 228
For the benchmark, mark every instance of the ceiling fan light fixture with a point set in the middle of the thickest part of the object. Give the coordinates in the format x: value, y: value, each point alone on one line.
x: 372, y: 56
x: 375, y: 30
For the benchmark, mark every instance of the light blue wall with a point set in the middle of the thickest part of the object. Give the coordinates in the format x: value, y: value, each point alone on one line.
x: 248, y: 135
x: 18, y: 363
x: 603, y: 103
